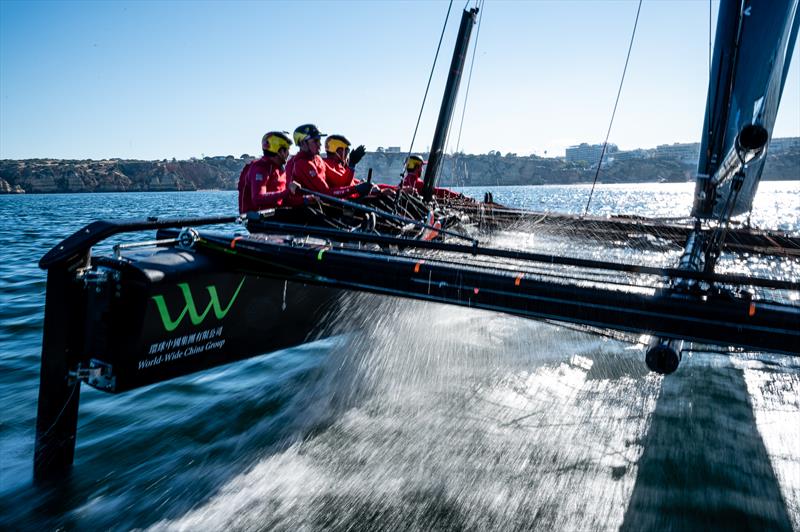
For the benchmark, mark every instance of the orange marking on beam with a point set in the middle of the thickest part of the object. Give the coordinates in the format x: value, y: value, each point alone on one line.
x: 233, y: 242
x: 518, y: 279
x: 752, y: 310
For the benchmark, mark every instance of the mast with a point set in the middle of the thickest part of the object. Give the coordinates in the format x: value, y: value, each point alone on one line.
x: 468, y: 18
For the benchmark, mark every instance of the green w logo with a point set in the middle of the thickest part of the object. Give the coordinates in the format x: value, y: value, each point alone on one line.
x: 170, y: 324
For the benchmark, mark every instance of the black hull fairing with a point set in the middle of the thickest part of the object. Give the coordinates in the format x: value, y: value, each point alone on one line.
x: 160, y: 315
x: 161, y: 312
x: 752, y: 53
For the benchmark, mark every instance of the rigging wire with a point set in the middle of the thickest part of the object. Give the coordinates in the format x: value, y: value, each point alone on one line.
x: 430, y: 77
x: 723, y: 222
x: 422, y: 107
x: 63, y: 408
x: 614, y: 112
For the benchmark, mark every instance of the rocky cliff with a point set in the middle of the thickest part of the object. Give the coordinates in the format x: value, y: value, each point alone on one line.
x: 120, y: 175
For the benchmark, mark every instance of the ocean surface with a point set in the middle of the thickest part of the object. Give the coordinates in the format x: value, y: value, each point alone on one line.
x: 430, y: 417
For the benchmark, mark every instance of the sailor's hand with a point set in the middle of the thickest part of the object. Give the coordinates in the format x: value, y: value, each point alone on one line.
x: 292, y: 186
x: 356, y: 155
x: 364, y: 189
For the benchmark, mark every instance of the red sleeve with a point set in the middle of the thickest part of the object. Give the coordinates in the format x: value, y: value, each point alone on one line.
x: 265, y: 199
x: 344, y: 192
x: 260, y: 196
x: 310, y: 176
x: 338, y: 175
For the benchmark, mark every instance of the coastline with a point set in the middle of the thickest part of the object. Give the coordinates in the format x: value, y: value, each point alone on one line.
x: 43, y: 176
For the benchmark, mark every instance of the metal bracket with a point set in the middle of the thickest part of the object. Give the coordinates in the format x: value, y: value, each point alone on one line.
x: 98, y: 375
x: 96, y: 279
x: 188, y: 237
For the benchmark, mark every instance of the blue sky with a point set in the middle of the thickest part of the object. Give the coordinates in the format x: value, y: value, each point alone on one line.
x: 155, y: 79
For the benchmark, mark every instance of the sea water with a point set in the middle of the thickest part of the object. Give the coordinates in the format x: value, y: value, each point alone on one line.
x: 430, y: 417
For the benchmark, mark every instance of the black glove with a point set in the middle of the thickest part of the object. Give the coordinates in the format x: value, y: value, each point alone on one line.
x: 356, y: 155
x: 364, y: 189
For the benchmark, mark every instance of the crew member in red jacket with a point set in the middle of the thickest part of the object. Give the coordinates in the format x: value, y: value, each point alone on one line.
x: 340, y: 162
x: 308, y: 170
x: 413, y: 180
x: 413, y: 177
x: 262, y: 183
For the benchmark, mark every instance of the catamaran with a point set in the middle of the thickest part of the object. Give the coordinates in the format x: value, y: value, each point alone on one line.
x: 194, y: 298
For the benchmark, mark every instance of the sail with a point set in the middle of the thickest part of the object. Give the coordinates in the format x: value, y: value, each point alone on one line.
x: 752, y: 53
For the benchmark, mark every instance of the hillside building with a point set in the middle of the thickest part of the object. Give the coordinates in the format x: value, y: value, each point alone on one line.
x: 686, y: 153
x: 589, y: 153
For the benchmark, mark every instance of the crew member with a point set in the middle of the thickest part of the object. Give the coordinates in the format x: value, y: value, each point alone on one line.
x: 412, y: 180
x: 340, y: 162
x: 262, y: 183
x: 308, y: 170
x: 413, y: 177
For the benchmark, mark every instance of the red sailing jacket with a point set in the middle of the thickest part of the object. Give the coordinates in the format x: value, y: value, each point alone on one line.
x: 413, y: 180
x: 309, y: 171
x: 262, y: 184
x: 337, y: 174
